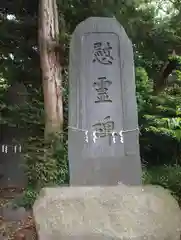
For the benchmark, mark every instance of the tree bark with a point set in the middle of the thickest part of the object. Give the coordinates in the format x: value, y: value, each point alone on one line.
x: 163, y: 80
x: 48, y: 35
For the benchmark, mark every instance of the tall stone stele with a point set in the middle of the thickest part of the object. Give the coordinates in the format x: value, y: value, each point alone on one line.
x: 102, y: 103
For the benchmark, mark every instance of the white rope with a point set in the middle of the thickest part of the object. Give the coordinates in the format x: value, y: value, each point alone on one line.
x: 95, y: 137
x: 14, y: 148
x: 85, y: 130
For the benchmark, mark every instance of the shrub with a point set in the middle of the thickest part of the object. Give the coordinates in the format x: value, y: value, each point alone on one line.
x: 166, y: 176
x: 46, y: 165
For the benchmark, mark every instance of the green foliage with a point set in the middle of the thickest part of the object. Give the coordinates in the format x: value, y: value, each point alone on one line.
x: 46, y: 166
x: 144, y: 88
x: 27, y: 200
x: 46, y: 163
x: 166, y: 176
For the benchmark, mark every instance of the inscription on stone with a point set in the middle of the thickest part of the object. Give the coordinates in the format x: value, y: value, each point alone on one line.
x: 104, y: 128
x: 101, y: 87
x: 102, y: 53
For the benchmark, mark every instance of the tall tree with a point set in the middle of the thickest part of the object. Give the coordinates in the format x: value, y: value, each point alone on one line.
x: 50, y: 66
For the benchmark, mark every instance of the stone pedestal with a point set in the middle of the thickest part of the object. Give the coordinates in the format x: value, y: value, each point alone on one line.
x: 120, y: 212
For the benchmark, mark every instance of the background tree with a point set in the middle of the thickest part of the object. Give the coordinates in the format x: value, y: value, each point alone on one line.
x: 50, y: 54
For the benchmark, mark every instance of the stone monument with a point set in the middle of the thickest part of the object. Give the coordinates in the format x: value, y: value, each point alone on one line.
x: 11, y: 162
x: 103, y: 137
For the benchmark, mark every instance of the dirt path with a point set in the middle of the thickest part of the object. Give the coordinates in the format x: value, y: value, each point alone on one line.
x: 15, y: 224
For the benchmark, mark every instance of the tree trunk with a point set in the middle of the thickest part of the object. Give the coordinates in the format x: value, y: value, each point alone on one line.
x: 50, y: 66
x: 164, y: 80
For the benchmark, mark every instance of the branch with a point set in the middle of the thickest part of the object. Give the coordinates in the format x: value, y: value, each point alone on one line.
x: 162, y: 82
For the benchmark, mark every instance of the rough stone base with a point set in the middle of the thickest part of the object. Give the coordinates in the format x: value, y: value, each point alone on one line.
x: 100, y: 213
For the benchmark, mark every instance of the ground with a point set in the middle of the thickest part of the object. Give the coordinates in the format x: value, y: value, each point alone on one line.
x: 15, y: 225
